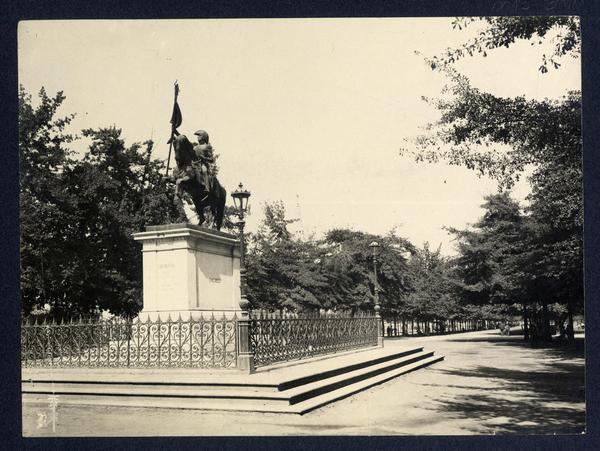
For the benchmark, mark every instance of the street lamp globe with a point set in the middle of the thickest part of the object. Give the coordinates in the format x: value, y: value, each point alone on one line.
x: 375, y: 248
x: 240, y: 200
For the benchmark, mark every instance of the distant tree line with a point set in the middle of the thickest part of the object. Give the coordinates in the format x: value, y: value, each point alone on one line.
x: 501, y: 272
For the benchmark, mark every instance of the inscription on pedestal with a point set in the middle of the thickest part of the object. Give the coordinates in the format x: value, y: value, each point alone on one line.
x: 165, y: 275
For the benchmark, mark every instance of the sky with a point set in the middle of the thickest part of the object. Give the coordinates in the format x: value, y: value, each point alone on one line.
x: 312, y: 112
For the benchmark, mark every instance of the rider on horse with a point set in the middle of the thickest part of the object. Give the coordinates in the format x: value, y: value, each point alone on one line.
x: 195, y: 175
x: 203, y: 152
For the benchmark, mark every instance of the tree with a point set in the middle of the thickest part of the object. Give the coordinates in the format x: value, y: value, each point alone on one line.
x: 282, y: 271
x: 489, y: 268
x: 351, y: 264
x: 500, y: 137
x: 78, y: 216
x: 503, y: 262
x: 335, y: 272
x: 504, y: 31
x: 115, y: 191
x: 430, y: 295
x: 485, y: 252
x: 43, y: 154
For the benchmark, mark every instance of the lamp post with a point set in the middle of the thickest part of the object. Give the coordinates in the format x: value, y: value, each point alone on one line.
x: 240, y: 200
x: 245, y: 358
x: 376, y: 250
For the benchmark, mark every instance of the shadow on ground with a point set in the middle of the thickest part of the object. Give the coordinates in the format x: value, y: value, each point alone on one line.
x: 546, y: 399
x: 556, y: 349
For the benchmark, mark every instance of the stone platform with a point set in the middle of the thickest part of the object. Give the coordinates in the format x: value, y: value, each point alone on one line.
x: 294, y: 387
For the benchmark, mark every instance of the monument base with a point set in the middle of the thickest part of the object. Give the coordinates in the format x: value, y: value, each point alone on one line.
x: 189, y: 271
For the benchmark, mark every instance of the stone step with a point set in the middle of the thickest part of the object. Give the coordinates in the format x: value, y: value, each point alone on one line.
x: 261, y: 398
x: 341, y: 393
x: 156, y: 392
x: 344, y: 368
x: 319, y: 387
x: 46, y: 386
x: 143, y: 376
x: 170, y: 390
x: 219, y: 404
x: 278, y: 403
x: 293, y: 395
x: 278, y: 376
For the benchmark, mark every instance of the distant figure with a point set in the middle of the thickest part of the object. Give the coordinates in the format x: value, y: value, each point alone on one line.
x: 570, y: 331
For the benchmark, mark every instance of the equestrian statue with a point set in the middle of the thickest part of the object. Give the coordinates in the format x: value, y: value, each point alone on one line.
x: 195, y: 172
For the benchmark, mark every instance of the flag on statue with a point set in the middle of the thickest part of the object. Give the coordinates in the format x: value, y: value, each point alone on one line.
x: 176, y: 117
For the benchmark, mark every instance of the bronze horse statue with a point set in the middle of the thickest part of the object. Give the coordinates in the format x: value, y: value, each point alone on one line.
x: 188, y: 178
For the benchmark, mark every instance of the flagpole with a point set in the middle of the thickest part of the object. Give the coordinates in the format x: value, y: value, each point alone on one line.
x: 169, y: 157
x: 172, y: 129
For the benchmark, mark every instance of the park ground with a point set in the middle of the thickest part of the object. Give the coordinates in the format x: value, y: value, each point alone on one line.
x: 487, y: 384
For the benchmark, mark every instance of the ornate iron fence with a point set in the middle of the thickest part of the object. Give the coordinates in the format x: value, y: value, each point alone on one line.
x: 278, y: 337
x: 194, y: 342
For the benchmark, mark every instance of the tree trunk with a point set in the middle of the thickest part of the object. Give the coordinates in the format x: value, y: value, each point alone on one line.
x: 546, y: 334
x: 561, y: 327
x: 570, y: 326
x: 525, y: 322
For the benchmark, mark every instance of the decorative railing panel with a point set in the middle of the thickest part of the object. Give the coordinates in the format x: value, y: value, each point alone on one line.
x: 278, y: 338
x: 194, y: 342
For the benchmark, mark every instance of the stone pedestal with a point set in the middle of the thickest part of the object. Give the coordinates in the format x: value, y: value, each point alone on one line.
x: 189, y: 270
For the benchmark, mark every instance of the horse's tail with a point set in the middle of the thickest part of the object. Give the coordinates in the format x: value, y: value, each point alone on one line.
x: 220, y: 201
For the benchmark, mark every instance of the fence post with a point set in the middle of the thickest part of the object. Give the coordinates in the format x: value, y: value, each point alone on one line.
x: 245, y: 358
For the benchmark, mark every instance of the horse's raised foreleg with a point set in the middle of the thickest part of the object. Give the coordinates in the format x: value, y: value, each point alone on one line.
x: 199, y: 206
